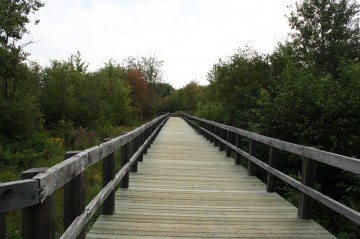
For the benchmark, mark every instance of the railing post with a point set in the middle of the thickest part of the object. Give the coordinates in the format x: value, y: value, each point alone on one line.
x: 208, y: 129
x: 38, y: 221
x: 212, y: 131
x: 308, y: 178
x: 74, y: 197
x: 237, y: 155
x: 108, y: 207
x: 273, y: 162
x: 2, y: 225
x: 252, y: 152
x: 125, y: 153
x: 146, y: 135
x: 222, y: 136
x: 228, y: 139
x: 216, y: 132
x: 134, y: 147
x: 152, y: 140
x: 141, y: 141
x: 201, y: 124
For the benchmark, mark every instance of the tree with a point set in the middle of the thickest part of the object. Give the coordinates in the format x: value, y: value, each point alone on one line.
x: 191, y: 95
x: 20, y: 114
x: 152, y: 73
x: 115, y: 94
x: 326, y: 31
x: 14, y: 15
x: 235, y: 86
x: 140, y: 91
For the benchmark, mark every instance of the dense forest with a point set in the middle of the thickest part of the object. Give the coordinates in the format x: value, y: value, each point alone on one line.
x: 306, y: 91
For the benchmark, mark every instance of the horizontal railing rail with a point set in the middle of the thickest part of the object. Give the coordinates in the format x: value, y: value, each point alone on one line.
x: 34, y: 193
x: 222, y: 134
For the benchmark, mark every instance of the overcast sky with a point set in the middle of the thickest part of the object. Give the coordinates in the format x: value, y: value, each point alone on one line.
x: 188, y: 35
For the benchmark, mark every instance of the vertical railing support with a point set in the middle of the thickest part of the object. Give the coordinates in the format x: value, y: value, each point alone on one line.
x: 222, y: 136
x: 146, y: 135
x: 2, y: 225
x: 125, y: 156
x: 212, y: 131
x: 141, y: 141
x: 273, y: 162
x: 38, y: 222
x: 308, y: 178
x: 108, y: 207
x: 216, y: 132
x: 134, y: 147
x: 151, y: 131
x: 208, y: 137
x: 228, y: 139
x: 74, y: 197
x: 202, y: 125
x: 238, y: 145
x: 252, y: 152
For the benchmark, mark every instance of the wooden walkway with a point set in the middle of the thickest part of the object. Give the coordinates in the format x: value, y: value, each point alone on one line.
x: 186, y: 188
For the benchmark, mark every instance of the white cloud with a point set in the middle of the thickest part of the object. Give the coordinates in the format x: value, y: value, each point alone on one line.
x: 190, y: 36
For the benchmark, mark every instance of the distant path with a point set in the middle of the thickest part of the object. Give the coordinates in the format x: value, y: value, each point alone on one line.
x: 186, y: 188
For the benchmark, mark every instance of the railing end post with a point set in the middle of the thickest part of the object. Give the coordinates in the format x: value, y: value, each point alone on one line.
x: 2, y: 225
x: 38, y: 221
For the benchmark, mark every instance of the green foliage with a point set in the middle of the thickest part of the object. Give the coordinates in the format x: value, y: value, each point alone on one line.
x: 14, y: 15
x: 115, y: 94
x: 236, y: 84
x: 20, y: 117
x: 211, y: 111
x: 326, y: 31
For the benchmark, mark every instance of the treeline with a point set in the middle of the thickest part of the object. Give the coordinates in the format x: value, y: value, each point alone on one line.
x: 65, y: 99
x: 306, y: 92
x: 64, y: 105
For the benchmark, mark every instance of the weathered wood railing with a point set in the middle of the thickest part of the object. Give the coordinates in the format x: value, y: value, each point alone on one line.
x: 33, y: 194
x: 230, y: 138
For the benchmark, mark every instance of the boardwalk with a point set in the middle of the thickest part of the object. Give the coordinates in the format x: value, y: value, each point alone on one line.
x: 186, y: 188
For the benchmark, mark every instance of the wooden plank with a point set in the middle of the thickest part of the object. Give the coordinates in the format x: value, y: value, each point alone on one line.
x: 197, y: 192
x: 336, y: 160
x: 18, y: 194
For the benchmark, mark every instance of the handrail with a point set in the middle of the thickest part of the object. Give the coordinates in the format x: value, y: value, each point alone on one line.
x: 336, y: 160
x: 220, y: 134
x: 32, y: 194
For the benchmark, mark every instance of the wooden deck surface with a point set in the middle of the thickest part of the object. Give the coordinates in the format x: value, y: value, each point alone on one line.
x: 186, y: 188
